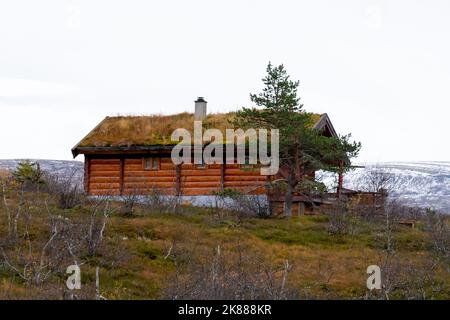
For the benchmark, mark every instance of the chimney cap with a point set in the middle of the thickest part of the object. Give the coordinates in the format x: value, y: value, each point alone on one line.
x: 200, y: 99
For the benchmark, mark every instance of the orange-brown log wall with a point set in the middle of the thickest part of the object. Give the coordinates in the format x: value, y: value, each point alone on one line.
x: 125, y: 176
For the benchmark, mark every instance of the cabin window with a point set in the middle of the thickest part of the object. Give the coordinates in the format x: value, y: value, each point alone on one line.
x: 151, y: 163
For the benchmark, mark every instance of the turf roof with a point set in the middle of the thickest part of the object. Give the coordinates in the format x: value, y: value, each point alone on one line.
x: 154, y: 130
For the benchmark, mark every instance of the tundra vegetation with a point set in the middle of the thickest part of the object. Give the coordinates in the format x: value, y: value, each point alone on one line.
x: 160, y: 248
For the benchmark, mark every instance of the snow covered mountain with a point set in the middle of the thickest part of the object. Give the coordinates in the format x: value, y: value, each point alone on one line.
x: 61, y: 168
x: 425, y: 184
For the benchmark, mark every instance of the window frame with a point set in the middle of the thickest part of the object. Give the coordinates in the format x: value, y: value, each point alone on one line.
x: 153, y: 161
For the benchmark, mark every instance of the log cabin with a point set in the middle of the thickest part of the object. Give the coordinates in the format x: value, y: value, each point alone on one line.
x: 132, y: 155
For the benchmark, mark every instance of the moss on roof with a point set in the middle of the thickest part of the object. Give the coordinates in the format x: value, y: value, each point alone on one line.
x: 315, y: 117
x: 127, y: 131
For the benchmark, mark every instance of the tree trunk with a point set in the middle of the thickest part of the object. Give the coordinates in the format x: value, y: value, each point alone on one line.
x: 288, y: 198
x: 340, y: 180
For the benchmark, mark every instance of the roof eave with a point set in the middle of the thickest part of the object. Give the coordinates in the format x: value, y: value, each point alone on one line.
x: 324, y: 122
x: 121, y: 149
x: 75, y: 149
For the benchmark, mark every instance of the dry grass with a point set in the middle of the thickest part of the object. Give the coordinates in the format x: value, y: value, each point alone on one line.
x: 5, y: 175
x: 315, y: 117
x: 6, y: 180
x: 125, y: 131
x: 135, y: 264
x: 147, y: 130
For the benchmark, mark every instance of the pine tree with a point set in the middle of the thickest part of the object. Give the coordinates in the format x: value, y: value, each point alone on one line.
x: 302, y: 149
x: 28, y: 172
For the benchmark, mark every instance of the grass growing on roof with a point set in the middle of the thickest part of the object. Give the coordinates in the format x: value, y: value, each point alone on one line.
x: 126, y: 131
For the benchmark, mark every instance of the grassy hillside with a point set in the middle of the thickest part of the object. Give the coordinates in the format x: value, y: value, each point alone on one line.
x: 157, y: 253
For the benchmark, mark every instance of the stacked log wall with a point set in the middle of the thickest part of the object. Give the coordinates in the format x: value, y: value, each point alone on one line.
x: 103, y: 176
x: 116, y: 176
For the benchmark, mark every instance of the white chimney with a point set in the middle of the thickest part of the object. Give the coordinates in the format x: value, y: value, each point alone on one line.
x: 200, y: 109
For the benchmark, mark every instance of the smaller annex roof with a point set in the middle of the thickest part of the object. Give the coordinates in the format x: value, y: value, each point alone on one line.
x: 146, y: 133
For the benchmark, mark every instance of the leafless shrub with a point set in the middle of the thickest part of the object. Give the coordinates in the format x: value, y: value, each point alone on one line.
x: 248, y: 206
x: 128, y: 203
x: 230, y: 277
x: 7, y: 210
x: 377, y: 179
x: 243, y: 205
x: 391, y: 217
x: 403, y: 278
x: 7, y: 180
x: 13, y: 213
x: 65, y: 188
x: 422, y: 282
x: 438, y: 228
x: 7, y: 186
x: 35, y: 264
x: 406, y: 279
x: 70, y: 240
x: 337, y: 222
x: 157, y: 201
x: 100, y: 211
x: 405, y: 212
x: 340, y: 220
x: 324, y: 273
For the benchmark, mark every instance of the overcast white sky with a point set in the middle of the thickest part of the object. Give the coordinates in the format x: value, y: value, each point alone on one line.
x: 380, y: 69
